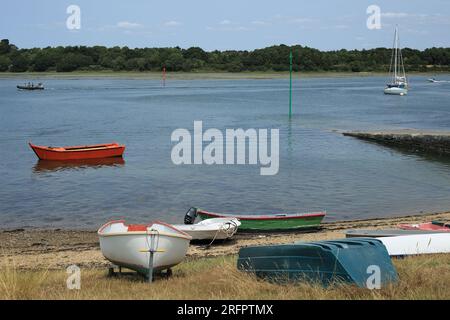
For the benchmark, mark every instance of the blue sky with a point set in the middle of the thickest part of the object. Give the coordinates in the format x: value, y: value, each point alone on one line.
x: 230, y: 24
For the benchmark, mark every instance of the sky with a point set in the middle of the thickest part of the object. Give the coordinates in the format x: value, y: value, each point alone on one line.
x: 226, y: 24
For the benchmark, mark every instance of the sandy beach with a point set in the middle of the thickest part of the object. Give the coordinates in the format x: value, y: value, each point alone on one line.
x: 58, y: 248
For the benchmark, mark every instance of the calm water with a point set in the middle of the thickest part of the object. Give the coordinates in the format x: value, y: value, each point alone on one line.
x: 319, y: 168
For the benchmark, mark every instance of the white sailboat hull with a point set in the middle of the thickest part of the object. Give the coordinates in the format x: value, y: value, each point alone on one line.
x: 129, y: 249
x: 417, y: 244
x: 216, y: 228
x: 396, y: 91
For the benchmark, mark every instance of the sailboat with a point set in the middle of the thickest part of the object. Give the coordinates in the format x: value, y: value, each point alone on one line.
x: 398, y: 82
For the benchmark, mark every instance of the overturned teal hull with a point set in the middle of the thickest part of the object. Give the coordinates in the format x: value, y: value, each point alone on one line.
x: 340, y: 261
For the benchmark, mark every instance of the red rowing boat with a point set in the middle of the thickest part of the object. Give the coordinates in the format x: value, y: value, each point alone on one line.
x: 427, y: 226
x: 96, y: 151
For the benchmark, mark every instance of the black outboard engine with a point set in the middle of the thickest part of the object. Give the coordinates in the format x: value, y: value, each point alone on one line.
x: 190, y: 216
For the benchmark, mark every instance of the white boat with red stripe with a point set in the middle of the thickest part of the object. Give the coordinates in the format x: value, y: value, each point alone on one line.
x: 129, y: 245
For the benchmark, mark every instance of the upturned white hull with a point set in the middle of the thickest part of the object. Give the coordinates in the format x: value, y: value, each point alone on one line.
x: 417, y: 244
x: 217, y: 228
x: 129, y: 249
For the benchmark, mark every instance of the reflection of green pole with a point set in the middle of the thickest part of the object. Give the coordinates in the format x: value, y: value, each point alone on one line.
x: 290, y: 83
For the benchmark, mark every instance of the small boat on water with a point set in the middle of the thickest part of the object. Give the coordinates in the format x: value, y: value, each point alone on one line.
x: 417, y: 244
x: 433, y: 80
x: 139, y: 247
x: 428, y: 226
x: 398, y: 84
x: 78, y: 152
x: 210, y: 229
x: 31, y: 86
x: 281, y: 221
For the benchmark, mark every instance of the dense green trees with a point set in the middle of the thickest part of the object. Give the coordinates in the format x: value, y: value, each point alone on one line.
x: 5, y: 62
x: 274, y: 58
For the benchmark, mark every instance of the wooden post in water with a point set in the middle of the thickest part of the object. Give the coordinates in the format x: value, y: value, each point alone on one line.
x: 290, y: 83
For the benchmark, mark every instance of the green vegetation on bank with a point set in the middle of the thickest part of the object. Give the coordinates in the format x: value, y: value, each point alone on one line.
x: 195, y: 59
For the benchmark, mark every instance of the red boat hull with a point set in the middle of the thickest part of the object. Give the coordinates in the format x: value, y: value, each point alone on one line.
x: 428, y: 226
x: 78, y: 152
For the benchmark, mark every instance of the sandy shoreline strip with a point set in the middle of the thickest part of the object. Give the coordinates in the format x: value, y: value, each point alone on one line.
x: 57, y: 248
x: 200, y: 75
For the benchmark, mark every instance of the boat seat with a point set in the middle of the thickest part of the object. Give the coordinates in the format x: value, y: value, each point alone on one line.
x: 137, y: 227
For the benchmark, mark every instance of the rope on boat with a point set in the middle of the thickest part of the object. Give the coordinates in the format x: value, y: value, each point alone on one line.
x: 229, y: 228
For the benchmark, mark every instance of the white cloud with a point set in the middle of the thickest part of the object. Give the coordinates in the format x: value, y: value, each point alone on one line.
x: 301, y: 20
x: 228, y: 25
x: 415, y: 19
x: 341, y: 26
x: 400, y: 15
x: 395, y: 14
x: 128, y: 25
x: 172, y: 23
x: 228, y: 28
x: 260, y: 23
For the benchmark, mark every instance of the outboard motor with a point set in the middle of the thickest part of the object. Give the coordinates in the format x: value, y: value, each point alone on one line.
x: 190, y: 216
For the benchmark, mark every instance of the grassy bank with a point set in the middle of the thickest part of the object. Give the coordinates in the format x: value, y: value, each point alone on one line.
x: 421, y: 277
x: 189, y: 75
x: 33, y: 264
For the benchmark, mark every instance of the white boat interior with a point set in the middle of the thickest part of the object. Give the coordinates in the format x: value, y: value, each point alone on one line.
x: 211, y: 229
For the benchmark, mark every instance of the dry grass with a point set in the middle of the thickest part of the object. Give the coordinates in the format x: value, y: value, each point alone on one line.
x: 424, y: 277
x: 15, y: 284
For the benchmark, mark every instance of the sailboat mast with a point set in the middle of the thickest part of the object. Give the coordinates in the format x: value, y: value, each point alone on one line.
x: 402, y: 65
x: 395, y: 54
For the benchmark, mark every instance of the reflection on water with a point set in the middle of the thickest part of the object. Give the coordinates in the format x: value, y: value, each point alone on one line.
x: 48, y: 165
x: 289, y: 136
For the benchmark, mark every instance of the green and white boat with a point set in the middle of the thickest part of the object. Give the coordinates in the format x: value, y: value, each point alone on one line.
x: 281, y: 221
x: 398, y: 84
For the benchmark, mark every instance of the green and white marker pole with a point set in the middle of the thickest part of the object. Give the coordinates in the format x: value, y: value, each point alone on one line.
x: 290, y: 84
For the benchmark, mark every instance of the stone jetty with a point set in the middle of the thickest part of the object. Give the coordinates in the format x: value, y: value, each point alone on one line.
x: 436, y: 142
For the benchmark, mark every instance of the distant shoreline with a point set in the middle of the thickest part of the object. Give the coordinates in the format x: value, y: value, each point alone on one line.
x: 198, y: 75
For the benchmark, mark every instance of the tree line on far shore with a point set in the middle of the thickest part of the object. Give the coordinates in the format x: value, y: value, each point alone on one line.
x: 274, y: 58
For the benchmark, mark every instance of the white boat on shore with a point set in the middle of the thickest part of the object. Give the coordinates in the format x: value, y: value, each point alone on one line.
x: 136, y: 247
x: 398, y: 84
x: 417, y: 244
x: 386, y: 233
x: 211, y: 229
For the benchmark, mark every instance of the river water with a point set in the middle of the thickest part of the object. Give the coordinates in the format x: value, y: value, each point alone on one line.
x: 319, y: 168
